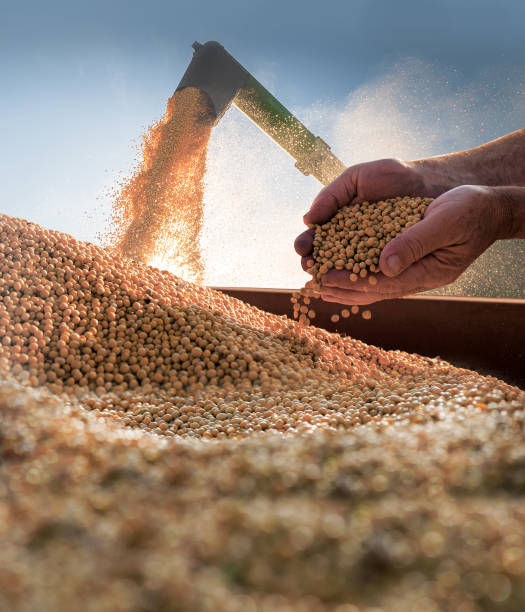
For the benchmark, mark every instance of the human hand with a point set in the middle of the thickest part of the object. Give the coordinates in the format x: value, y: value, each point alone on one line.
x: 370, y: 181
x: 457, y: 227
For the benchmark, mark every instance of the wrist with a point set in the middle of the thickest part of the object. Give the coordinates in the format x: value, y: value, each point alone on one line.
x: 438, y: 175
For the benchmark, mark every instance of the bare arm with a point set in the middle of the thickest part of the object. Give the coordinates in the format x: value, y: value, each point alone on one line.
x: 499, y: 162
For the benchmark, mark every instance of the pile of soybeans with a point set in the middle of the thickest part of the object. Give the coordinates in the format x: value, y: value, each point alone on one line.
x: 166, y: 447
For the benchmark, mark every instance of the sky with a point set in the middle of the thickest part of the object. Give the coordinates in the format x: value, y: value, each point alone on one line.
x: 82, y: 80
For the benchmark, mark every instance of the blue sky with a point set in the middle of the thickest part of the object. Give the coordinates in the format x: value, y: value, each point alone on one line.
x: 81, y: 80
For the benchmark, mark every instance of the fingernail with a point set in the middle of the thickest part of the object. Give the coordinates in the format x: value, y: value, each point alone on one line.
x: 393, y: 263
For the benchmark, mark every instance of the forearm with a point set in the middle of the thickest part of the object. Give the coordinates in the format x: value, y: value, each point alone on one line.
x: 499, y: 162
x: 509, y: 204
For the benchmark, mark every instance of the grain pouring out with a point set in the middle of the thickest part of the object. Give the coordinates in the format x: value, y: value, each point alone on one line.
x: 158, y: 212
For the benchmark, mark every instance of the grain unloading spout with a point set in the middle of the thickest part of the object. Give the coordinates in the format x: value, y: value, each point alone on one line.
x: 214, y: 71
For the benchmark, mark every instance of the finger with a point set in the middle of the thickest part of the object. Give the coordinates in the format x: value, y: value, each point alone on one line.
x: 337, y: 278
x: 424, y: 237
x: 304, y: 264
x: 303, y: 242
x: 380, y: 283
x: 331, y: 198
x: 348, y: 280
x: 351, y: 298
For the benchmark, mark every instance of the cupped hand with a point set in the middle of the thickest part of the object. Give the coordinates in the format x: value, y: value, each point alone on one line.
x: 457, y: 228
x: 370, y: 181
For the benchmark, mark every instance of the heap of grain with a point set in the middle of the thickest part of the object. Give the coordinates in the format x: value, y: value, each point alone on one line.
x: 352, y: 240
x: 420, y: 507
x: 168, y: 355
x: 158, y: 212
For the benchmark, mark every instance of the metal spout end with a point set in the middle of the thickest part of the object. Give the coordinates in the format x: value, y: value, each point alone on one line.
x: 214, y: 71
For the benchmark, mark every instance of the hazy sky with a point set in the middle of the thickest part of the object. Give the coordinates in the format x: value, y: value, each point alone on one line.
x: 81, y: 80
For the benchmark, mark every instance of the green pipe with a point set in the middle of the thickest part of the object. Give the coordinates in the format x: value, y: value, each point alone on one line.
x: 313, y: 156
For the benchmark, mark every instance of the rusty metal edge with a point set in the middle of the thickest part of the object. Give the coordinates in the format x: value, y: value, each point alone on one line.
x: 445, y: 298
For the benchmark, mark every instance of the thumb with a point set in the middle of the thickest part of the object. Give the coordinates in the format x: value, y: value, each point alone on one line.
x: 413, y: 244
